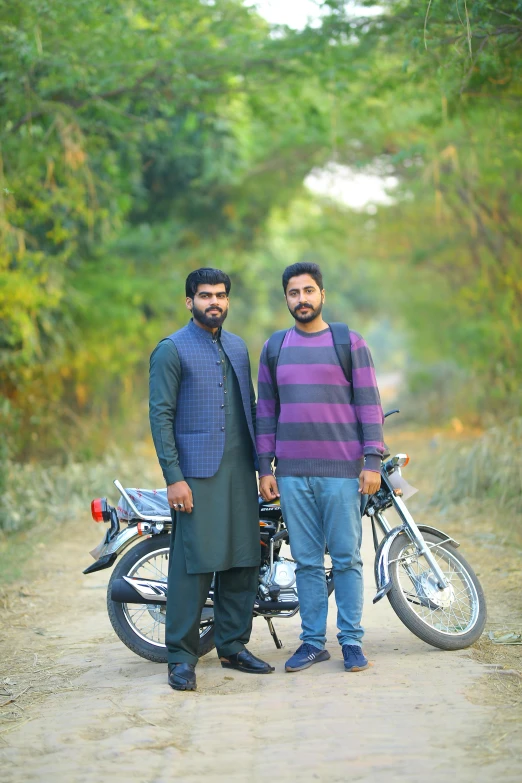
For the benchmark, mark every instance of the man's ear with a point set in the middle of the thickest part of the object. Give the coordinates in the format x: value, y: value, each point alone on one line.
x: 189, y: 303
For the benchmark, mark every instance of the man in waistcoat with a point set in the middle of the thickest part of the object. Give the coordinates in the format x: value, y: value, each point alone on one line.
x: 202, y: 417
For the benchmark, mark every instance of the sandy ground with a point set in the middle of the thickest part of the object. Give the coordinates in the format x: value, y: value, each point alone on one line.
x: 83, y: 708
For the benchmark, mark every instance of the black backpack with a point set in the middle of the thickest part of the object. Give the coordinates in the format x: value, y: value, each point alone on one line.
x: 341, y: 340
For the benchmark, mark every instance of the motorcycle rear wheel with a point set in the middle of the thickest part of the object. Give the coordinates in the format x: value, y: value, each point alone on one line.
x: 450, y: 621
x: 141, y: 627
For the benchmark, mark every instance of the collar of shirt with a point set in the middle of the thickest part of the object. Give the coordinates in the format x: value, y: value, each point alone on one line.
x: 203, y: 332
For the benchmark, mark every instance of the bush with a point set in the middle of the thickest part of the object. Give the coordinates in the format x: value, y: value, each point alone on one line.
x: 35, y: 494
x: 490, y: 468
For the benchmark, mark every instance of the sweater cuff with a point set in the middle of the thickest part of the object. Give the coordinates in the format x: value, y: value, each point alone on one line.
x: 265, y: 466
x: 172, y: 475
x: 372, y: 462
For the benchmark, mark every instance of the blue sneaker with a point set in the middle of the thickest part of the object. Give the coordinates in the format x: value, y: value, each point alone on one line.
x: 305, y: 656
x: 354, y: 660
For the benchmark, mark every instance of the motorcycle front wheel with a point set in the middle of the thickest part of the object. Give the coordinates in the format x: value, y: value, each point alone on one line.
x: 451, y: 619
x: 141, y: 627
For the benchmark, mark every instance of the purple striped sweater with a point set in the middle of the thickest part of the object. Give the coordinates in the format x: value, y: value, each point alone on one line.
x: 319, y: 432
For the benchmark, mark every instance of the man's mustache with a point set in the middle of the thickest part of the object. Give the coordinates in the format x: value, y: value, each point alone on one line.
x: 304, y: 307
x: 214, y: 307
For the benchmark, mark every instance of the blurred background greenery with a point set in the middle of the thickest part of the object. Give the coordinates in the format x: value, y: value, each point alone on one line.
x: 139, y: 141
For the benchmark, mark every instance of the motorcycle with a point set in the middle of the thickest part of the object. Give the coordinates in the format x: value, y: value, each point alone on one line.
x: 430, y: 586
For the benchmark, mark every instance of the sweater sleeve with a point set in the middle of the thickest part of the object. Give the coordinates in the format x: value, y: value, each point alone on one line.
x: 164, y: 380
x: 253, y: 403
x: 367, y: 403
x: 266, y: 421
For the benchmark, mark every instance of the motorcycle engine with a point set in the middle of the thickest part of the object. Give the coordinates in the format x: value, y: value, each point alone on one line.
x: 282, y: 586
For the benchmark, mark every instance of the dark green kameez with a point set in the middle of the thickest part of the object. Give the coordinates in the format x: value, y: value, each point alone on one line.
x: 222, y: 531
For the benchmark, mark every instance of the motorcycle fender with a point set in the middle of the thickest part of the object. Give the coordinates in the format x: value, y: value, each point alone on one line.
x: 107, y: 551
x: 439, y: 533
x: 104, y: 562
x: 383, y: 573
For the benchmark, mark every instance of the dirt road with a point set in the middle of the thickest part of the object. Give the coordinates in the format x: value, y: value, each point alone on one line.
x: 94, y: 712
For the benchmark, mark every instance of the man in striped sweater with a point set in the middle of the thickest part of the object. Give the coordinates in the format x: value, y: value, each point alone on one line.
x: 325, y: 433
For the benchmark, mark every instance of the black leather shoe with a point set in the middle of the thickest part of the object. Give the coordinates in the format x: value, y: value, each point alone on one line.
x: 244, y: 661
x: 182, y: 676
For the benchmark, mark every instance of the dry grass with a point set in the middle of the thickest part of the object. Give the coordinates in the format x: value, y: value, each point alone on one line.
x: 29, y: 678
x: 38, y: 498
x: 488, y: 472
x: 37, y: 493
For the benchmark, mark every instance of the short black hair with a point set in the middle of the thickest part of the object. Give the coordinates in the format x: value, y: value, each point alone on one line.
x: 303, y: 268
x: 206, y: 275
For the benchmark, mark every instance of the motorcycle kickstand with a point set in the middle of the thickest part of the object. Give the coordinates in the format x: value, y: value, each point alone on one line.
x: 277, y: 641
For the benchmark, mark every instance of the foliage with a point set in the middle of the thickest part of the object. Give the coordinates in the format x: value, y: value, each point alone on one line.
x: 449, y: 105
x: 116, y: 121
x: 138, y: 142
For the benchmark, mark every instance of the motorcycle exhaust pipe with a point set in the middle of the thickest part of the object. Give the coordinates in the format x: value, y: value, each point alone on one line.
x: 128, y: 590
x: 275, y: 606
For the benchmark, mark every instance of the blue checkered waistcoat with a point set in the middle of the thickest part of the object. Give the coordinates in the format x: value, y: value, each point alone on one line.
x: 199, y: 426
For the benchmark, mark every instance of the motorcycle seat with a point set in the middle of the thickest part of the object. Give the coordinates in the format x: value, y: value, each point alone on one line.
x: 149, y: 502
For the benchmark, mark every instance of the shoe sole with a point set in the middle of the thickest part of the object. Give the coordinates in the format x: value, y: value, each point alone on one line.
x: 307, y: 664
x: 185, y: 687
x: 247, y: 671
x: 356, y: 668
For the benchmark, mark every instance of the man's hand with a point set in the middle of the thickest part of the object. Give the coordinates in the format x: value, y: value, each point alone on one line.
x: 268, y: 488
x: 180, y: 493
x: 369, y: 482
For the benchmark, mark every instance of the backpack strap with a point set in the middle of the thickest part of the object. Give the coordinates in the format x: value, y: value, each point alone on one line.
x: 273, y: 349
x: 343, y: 349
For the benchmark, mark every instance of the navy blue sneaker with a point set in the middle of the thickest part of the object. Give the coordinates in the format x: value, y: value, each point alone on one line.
x: 354, y: 660
x: 305, y: 656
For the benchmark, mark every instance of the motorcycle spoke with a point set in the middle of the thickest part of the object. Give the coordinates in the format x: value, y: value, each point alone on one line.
x: 139, y: 612
x: 153, y: 568
x: 148, y: 620
x: 154, y: 628
x: 412, y: 571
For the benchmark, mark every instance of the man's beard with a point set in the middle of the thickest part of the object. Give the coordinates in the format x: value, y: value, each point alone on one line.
x: 307, y: 314
x: 212, y: 321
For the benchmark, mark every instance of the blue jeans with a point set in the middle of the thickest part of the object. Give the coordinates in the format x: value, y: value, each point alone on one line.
x: 318, y: 511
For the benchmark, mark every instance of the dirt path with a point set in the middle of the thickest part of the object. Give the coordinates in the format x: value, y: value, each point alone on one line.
x: 94, y: 712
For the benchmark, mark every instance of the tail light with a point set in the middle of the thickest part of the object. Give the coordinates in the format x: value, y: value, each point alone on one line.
x: 100, y: 510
